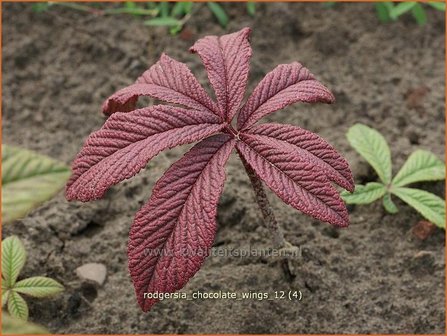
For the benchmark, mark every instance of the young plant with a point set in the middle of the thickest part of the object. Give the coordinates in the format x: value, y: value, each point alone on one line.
x: 420, y: 166
x: 28, y: 180
x: 13, y: 260
x: 388, y: 11
x: 173, y: 232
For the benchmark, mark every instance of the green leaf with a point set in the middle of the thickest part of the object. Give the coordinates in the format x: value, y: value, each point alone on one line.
x: 329, y: 4
x: 420, y: 166
x: 389, y: 205
x: 5, y: 296
x: 419, y: 14
x: 130, y: 5
x: 40, y: 7
x: 364, y: 194
x: 137, y: 11
x: 383, y: 10
x: 15, y: 326
x: 251, y: 8
x: 164, y: 9
x: 187, y: 7
x: 28, y: 179
x: 167, y: 21
x: 13, y: 259
x: 372, y: 146
x: 17, y: 306
x: 437, y: 5
x: 178, y: 9
x: 38, y: 287
x: 427, y: 204
x: 219, y: 13
x: 401, y: 8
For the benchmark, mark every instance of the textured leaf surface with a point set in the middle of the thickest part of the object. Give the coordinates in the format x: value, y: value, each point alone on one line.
x: 295, y: 180
x: 172, y: 233
x: 17, y: 306
x: 365, y: 194
x: 427, y: 204
x: 167, y: 80
x: 227, y: 62
x: 313, y: 148
x: 13, y: 260
x: 285, y: 85
x: 28, y: 180
x: 38, y: 287
x: 389, y: 205
x: 420, y: 166
x: 373, y: 147
x: 12, y: 326
x: 5, y: 296
x: 126, y: 143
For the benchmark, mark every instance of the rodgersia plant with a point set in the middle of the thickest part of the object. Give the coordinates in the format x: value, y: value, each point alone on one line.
x: 178, y: 223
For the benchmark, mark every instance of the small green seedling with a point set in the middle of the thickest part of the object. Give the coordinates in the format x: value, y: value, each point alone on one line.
x: 388, y: 11
x: 172, y: 15
x: 420, y: 166
x: 28, y: 180
x: 13, y: 260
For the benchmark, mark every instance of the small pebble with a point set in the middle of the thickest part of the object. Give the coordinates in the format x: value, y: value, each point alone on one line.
x: 93, y: 272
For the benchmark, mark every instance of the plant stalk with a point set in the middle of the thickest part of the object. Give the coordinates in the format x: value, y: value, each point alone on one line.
x: 266, y: 209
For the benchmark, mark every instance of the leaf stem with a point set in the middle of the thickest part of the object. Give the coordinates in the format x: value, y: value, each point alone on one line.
x: 264, y: 205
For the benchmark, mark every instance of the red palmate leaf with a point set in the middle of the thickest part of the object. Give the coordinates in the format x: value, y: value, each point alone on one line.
x: 172, y: 233
x: 167, y: 80
x: 174, y: 230
x: 312, y: 148
x: 126, y: 143
x: 293, y: 178
x: 285, y: 85
x: 227, y: 62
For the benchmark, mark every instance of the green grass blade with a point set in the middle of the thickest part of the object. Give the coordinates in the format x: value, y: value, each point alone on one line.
x: 187, y: 7
x: 178, y: 9
x: 329, y: 4
x: 251, y: 8
x: 364, y: 194
x: 372, y: 146
x: 28, y: 180
x: 427, y: 204
x: 17, y: 306
x: 13, y: 260
x: 420, y: 166
x: 419, y: 14
x: 38, y: 287
x: 219, y: 13
x: 164, y: 9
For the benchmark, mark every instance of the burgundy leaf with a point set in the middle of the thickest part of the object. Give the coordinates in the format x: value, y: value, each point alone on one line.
x: 227, y: 62
x: 173, y: 232
x: 167, y: 80
x: 285, y: 85
x: 312, y: 148
x: 294, y: 179
x: 126, y: 143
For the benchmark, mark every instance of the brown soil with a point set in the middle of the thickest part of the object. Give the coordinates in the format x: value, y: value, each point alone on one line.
x: 374, y: 277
